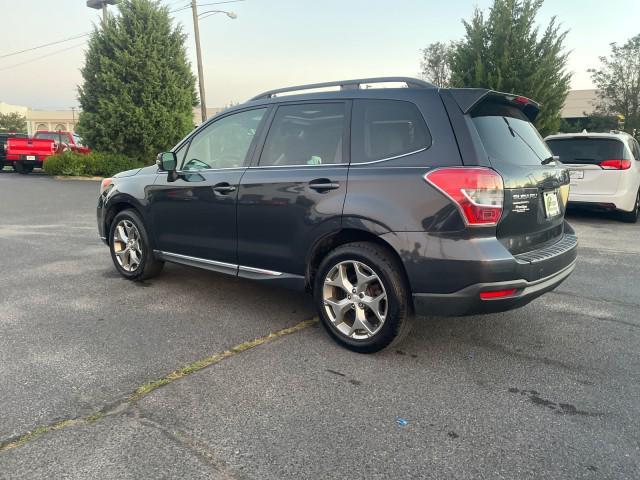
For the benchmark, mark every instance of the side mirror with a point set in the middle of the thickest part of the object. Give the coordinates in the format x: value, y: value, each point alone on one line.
x: 167, y: 161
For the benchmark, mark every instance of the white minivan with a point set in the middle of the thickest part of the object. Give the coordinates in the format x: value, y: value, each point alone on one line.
x: 604, y: 170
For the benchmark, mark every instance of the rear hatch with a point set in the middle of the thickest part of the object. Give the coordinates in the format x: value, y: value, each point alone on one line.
x: 588, y: 159
x: 536, y: 188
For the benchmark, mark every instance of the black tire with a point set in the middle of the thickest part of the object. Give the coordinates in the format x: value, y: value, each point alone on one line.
x: 2, y: 164
x: 398, y: 319
x: 632, y: 216
x: 148, y: 266
x: 22, y: 168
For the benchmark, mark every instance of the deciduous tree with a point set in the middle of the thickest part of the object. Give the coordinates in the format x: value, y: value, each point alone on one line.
x: 13, y: 122
x: 618, y: 82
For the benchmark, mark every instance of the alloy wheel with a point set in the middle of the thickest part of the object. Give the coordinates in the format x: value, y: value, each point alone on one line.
x: 355, y: 300
x: 127, y: 245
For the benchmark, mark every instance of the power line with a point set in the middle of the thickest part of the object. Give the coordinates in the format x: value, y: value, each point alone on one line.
x: 56, y: 52
x: 82, y: 35
x: 37, y: 47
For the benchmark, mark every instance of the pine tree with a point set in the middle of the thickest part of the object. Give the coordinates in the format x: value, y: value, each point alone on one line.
x: 138, y: 91
x: 506, y: 52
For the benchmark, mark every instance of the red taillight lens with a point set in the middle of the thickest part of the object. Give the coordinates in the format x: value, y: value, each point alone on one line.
x: 478, y: 192
x: 497, y: 294
x: 616, y: 164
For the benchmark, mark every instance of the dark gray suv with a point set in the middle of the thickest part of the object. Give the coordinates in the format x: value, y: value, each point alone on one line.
x: 382, y: 202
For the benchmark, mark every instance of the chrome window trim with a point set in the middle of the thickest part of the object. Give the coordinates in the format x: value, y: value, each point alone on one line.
x: 390, y: 158
x: 272, y: 273
x: 301, y: 165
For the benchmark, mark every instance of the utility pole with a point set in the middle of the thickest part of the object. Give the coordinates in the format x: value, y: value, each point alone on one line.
x: 101, y: 4
x: 196, y: 32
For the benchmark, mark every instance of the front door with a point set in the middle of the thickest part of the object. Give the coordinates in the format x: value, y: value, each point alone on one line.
x: 295, y: 192
x: 194, y: 217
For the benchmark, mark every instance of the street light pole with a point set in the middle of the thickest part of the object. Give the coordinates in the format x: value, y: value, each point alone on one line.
x: 196, y: 31
x: 101, y: 4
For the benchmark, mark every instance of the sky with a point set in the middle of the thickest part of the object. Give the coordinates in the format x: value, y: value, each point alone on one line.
x: 276, y: 43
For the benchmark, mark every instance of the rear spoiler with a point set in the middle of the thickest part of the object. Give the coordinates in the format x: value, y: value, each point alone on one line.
x: 469, y: 98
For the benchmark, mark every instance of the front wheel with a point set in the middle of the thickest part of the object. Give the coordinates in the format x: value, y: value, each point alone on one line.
x: 130, y: 247
x: 22, y: 168
x: 362, y: 297
x: 632, y: 216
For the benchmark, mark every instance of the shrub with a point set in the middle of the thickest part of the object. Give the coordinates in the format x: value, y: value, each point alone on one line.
x: 94, y: 164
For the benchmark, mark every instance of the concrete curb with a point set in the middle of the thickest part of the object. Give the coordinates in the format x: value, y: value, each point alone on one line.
x: 85, y: 179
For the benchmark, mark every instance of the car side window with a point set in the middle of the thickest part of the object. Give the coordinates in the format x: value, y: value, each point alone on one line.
x: 385, y: 129
x: 305, y: 134
x: 636, y: 149
x: 224, y: 143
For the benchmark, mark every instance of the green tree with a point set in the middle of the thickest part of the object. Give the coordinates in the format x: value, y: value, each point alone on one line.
x: 138, y: 91
x: 618, y: 82
x: 13, y: 122
x: 436, y: 63
x: 506, y: 52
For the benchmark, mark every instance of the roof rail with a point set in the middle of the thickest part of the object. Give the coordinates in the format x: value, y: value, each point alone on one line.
x: 346, y: 85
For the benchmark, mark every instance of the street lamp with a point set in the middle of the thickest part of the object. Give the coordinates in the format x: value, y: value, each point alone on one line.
x: 196, y: 32
x: 101, y: 4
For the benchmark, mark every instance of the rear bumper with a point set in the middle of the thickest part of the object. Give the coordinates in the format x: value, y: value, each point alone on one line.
x: 622, y: 200
x: 467, y: 301
x: 447, y: 273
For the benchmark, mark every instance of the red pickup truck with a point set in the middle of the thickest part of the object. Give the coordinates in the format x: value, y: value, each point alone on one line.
x: 26, y: 153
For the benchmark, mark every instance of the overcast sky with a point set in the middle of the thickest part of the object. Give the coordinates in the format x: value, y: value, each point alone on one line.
x: 275, y: 43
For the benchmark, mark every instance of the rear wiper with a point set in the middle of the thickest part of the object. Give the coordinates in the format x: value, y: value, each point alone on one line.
x: 552, y: 158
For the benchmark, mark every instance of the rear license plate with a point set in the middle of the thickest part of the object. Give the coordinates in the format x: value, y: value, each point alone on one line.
x: 30, y: 157
x: 576, y: 174
x: 551, y: 205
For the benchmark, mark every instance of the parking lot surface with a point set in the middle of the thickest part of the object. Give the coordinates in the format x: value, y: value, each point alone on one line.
x: 551, y: 390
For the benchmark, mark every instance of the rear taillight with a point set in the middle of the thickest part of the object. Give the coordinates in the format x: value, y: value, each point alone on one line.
x: 615, y: 164
x: 478, y: 192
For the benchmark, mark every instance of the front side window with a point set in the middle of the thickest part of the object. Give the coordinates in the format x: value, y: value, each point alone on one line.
x: 307, y: 134
x: 224, y: 143
x: 384, y: 129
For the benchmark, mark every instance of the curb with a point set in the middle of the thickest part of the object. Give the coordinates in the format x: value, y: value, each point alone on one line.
x: 85, y: 179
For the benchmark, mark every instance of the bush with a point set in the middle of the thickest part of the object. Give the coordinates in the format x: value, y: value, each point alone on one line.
x: 94, y: 164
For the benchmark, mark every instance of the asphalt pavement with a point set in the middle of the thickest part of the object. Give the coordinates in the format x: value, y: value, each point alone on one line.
x: 551, y: 390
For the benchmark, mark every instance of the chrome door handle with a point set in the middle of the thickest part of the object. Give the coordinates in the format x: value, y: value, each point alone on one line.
x: 224, y: 188
x: 324, y: 184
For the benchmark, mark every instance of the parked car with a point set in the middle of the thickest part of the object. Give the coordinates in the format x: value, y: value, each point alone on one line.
x: 4, y: 136
x: 27, y: 153
x: 382, y: 202
x: 604, y: 169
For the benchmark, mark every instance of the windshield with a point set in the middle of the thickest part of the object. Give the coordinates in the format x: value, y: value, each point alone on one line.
x: 509, y: 137
x: 589, y: 151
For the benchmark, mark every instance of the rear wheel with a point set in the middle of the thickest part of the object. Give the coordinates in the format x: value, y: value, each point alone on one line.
x: 632, y: 216
x: 2, y: 164
x: 130, y: 247
x: 362, y: 297
x: 22, y: 168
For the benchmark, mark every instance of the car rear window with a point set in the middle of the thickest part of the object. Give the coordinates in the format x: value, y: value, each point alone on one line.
x: 384, y: 129
x: 586, y: 150
x: 508, y: 136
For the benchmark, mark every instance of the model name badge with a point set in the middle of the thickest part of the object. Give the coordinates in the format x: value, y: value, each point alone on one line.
x: 525, y: 196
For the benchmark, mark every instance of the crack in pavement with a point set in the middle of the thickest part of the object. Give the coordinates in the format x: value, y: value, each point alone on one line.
x: 119, y: 406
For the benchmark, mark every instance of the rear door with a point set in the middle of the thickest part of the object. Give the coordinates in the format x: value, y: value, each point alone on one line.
x: 536, y: 187
x: 584, y: 156
x: 294, y: 193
